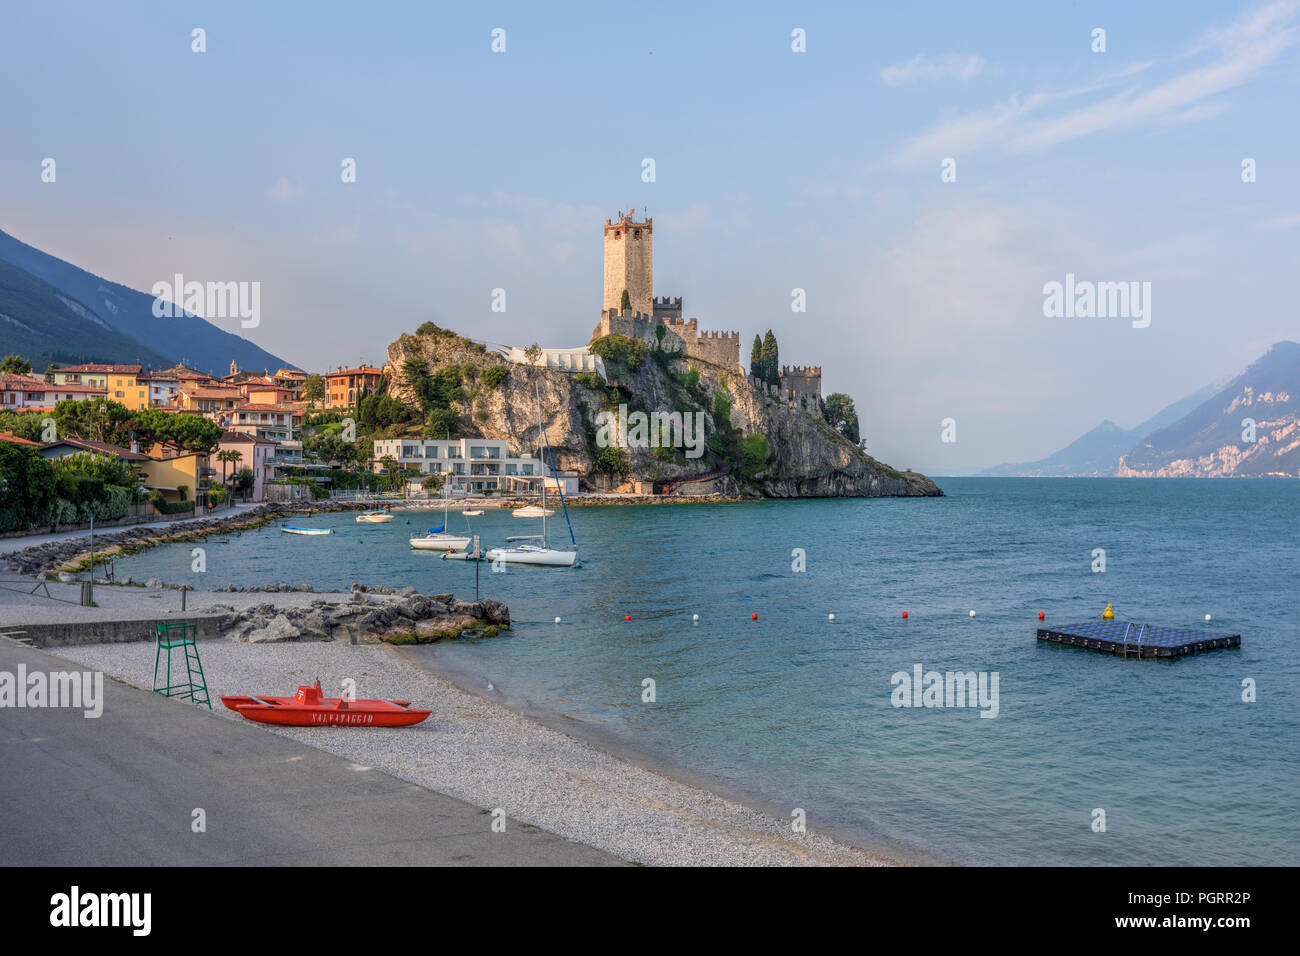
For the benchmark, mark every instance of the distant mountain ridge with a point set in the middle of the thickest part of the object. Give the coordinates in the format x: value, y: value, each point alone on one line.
x: 1097, y: 453
x: 1213, y: 441
x: 1205, y: 435
x: 44, y: 325
x: 126, y: 313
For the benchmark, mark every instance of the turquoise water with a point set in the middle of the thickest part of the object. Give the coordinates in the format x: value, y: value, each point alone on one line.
x: 795, y: 710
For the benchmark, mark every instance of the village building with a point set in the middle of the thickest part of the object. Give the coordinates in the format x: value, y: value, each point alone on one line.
x: 343, y: 386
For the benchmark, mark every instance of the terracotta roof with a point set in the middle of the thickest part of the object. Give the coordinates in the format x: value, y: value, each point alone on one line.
x: 254, y: 407
x: 243, y: 438
x: 32, y: 382
x: 360, y: 370
x: 102, y: 447
x: 15, y: 440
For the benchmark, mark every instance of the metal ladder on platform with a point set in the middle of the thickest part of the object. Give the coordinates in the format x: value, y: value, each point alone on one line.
x: 169, y: 635
x: 1142, y: 630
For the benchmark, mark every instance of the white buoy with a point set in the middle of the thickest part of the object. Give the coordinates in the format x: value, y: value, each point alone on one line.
x: 557, y: 620
x: 1207, y: 619
x: 695, y: 617
x: 972, y: 613
x: 830, y: 617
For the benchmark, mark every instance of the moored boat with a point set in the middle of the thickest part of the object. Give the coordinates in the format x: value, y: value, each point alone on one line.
x: 437, y: 539
x: 476, y: 513
x: 308, y: 708
x: 533, y: 511
x: 291, y: 529
x: 374, y: 517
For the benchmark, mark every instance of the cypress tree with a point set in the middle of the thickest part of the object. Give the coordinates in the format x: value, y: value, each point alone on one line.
x: 771, y: 360
x: 626, y: 304
x: 756, y: 360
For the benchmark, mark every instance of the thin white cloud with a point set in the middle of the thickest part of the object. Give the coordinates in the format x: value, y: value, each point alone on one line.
x: 1021, y: 124
x: 924, y: 69
x: 1282, y: 222
x: 283, y: 190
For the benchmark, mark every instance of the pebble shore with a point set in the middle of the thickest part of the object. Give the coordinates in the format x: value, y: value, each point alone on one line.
x: 480, y: 751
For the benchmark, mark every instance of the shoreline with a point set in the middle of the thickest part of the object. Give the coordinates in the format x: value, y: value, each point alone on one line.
x: 477, y: 748
x: 612, y: 744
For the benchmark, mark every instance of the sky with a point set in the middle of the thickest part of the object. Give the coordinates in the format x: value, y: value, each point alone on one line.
x: 775, y: 170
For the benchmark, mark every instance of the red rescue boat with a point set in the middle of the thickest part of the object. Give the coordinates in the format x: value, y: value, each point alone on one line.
x: 308, y: 708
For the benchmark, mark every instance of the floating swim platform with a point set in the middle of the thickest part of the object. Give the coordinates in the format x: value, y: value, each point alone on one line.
x: 1129, y: 638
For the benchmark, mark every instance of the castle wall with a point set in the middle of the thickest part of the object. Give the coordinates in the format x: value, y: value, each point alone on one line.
x: 666, y: 308
x: 802, y: 381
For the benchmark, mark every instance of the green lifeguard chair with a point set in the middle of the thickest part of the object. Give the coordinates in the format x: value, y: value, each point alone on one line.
x: 168, y: 636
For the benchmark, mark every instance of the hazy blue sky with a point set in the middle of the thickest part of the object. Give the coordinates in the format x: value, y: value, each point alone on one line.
x: 775, y: 170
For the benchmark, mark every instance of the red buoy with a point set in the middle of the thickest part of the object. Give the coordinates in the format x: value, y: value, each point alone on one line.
x: 754, y: 616
x: 904, y: 615
x: 1041, y: 615
x: 627, y: 617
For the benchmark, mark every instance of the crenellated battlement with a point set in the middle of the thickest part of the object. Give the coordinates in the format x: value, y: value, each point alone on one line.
x: 802, y: 381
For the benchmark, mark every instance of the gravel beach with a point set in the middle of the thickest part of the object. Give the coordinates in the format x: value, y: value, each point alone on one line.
x: 480, y: 751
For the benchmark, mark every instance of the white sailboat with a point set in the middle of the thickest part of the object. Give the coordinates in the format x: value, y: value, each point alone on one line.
x: 439, y: 539
x: 539, y: 554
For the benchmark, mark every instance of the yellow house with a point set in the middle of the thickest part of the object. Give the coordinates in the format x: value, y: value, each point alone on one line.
x: 169, y: 471
x: 122, y: 383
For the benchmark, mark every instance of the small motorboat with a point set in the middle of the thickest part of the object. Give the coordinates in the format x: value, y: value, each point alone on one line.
x: 291, y: 529
x: 533, y: 511
x: 476, y: 513
x: 308, y: 708
x: 374, y: 517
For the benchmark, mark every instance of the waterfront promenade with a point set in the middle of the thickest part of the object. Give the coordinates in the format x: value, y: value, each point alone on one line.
x: 121, y: 789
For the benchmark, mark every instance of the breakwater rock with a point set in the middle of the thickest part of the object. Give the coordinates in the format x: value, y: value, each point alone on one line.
x: 368, y: 615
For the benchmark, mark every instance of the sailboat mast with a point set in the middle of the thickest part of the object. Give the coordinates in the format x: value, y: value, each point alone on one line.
x: 541, y: 439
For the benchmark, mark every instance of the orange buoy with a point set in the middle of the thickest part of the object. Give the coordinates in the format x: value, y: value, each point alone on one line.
x: 627, y: 617
x: 904, y: 615
x: 1041, y: 615
x: 754, y: 616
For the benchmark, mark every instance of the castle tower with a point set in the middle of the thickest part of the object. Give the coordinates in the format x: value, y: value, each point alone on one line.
x: 629, y: 263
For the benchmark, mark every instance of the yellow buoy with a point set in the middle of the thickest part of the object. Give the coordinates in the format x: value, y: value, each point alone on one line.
x: 1109, y: 613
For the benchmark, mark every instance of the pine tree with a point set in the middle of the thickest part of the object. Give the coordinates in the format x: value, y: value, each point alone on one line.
x: 771, y: 360
x: 756, y: 360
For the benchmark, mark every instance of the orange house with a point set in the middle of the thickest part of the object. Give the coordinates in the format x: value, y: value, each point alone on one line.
x: 344, y: 385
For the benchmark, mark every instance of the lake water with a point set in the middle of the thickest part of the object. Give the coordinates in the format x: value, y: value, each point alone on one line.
x: 795, y: 710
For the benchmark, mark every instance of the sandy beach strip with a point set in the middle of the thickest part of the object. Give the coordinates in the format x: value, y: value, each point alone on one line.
x: 478, y: 750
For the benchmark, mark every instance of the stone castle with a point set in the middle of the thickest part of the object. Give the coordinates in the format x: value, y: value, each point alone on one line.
x: 629, y: 267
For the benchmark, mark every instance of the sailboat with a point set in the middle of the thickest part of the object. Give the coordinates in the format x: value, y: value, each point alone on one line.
x: 439, y: 539
x: 540, y: 554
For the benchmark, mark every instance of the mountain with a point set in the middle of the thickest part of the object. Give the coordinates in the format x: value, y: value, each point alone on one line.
x: 43, y: 325
x: 1209, y: 442
x: 188, y: 338
x: 1097, y: 453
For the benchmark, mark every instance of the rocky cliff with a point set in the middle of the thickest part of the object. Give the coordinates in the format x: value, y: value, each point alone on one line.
x: 807, y: 458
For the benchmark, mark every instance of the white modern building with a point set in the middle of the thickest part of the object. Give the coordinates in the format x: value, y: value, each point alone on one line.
x: 562, y: 360
x: 475, y: 464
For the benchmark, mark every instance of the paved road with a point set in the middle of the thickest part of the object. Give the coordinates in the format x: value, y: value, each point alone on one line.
x: 121, y: 790
x: 9, y: 545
